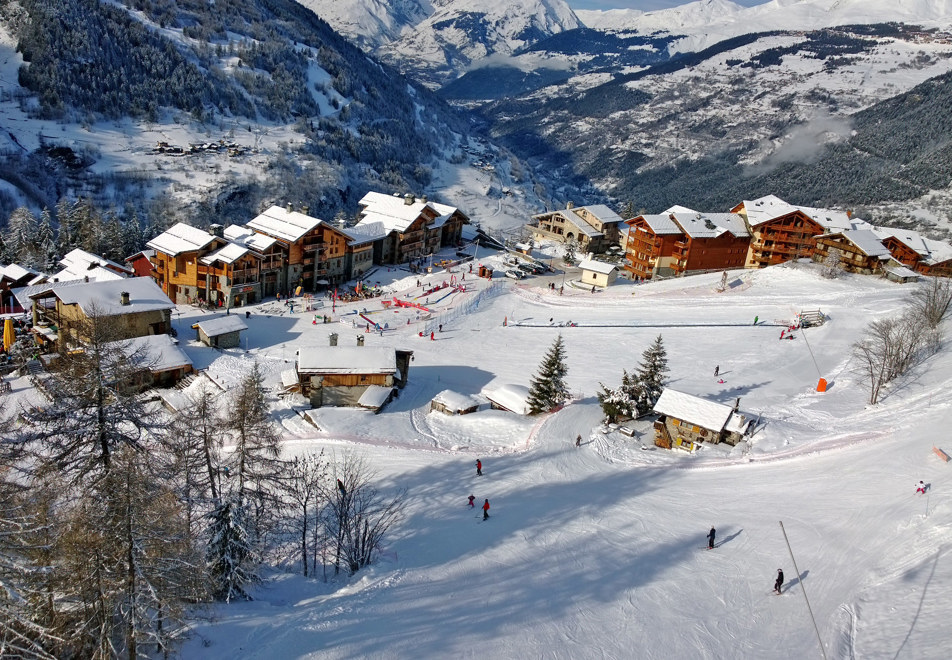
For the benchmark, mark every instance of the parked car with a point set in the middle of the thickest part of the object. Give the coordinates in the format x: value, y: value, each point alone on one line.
x: 538, y: 268
x: 515, y: 274
x: 526, y: 268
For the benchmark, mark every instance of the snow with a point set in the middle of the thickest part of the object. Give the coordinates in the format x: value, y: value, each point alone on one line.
x: 158, y: 352
x: 222, y: 325
x: 179, y: 238
x: 689, y: 408
x: 284, y: 223
x: 597, y: 266
x: 105, y: 296
x: 347, y: 360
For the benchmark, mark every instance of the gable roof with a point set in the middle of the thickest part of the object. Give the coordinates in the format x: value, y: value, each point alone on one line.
x: 281, y: 223
x: 16, y: 272
x: 78, y: 261
x: 228, y: 254
x: 347, y: 360
x: 180, y: 238
x: 867, y: 241
x: 249, y: 238
x: 597, y: 266
x: 711, y: 225
x: 513, y: 398
x: 660, y: 224
x: 395, y: 214
x: 222, y: 325
x: 159, y: 352
x: 103, y: 297
x: 701, y: 412
x: 600, y: 211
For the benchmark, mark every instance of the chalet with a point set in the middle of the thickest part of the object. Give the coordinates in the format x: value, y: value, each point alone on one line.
x: 408, y: 227
x: 15, y: 277
x: 595, y: 228
x: 860, y: 250
x: 271, y: 259
x: 681, y: 241
x: 222, y: 332
x: 81, y: 265
x: 232, y: 275
x: 315, y: 250
x: 454, y: 403
x: 900, y: 274
x: 351, y: 375
x: 781, y: 232
x: 360, y: 247
x: 511, y: 398
x: 141, y: 263
x: 921, y: 254
x: 136, y: 305
x: 177, y: 267
x: 160, y: 362
x: 598, y: 273
x: 685, y: 420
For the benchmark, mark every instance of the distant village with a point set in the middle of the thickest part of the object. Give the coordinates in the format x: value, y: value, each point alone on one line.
x: 285, y: 252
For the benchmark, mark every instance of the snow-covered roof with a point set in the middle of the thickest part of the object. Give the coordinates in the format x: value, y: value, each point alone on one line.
x: 347, y: 360
x: 689, y: 408
x: 93, y: 274
x: 938, y: 251
x: 104, y: 297
x: 597, y: 266
x: 16, y: 272
x: 911, y: 239
x: 395, y: 213
x: 228, y: 254
x: 511, y: 397
x: 902, y: 272
x: 765, y: 209
x: 79, y: 262
x: 180, y: 238
x: 456, y: 401
x: 677, y: 208
x: 281, y: 223
x: 222, y: 325
x: 158, y: 352
x: 661, y: 224
x: 867, y: 241
x: 602, y: 212
x: 249, y: 238
x: 711, y: 225
x: 375, y: 396
x: 365, y: 232
x: 829, y: 219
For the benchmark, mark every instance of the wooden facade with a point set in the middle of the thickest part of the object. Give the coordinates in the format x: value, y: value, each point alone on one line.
x: 593, y: 228
x: 785, y: 238
x: 865, y: 256
x: 176, y: 261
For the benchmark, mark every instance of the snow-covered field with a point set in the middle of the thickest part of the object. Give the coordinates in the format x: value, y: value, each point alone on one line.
x: 597, y: 551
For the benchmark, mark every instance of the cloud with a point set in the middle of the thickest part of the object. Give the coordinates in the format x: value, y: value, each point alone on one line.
x: 804, y: 143
x: 526, y: 63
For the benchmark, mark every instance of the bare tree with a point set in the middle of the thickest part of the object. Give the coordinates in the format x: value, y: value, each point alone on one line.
x: 889, y: 349
x: 932, y: 300
x: 358, y: 516
x: 304, y: 485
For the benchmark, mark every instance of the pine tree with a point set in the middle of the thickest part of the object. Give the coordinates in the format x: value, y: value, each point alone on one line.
x: 651, y: 376
x: 231, y: 557
x: 548, y: 389
x: 621, y: 403
x: 46, y: 242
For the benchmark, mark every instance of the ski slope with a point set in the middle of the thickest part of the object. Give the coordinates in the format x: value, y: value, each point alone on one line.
x: 600, y: 551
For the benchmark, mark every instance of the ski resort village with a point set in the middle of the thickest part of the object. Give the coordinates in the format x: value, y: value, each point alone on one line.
x: 603, y: 437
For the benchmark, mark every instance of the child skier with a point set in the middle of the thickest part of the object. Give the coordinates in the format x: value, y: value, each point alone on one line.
x: 472, y: 501
x: 920, y: 488
x: 779, y: 583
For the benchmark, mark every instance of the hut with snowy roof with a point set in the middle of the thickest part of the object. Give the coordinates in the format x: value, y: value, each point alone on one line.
x: 158, y: 360
x: 509, y: 397
x: 222, y: 332
x: 685, y: 420
x: 454, y: 403
x: 598, y: 273
x: 361, y: 376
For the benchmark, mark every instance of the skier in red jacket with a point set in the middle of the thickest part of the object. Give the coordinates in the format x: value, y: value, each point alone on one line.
x: 486, y: 510
x: 479, y: 468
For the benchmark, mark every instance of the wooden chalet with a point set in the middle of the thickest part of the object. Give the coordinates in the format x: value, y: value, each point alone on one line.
x: 136, y: 306
x: 685, y: 420
x: 407, y: 228
x: 177, y: 267
x: 12, y: 277
x: 681, y: 241
x: 270, y: 277
x: 781, y: 232
x: 141, y: 263
x: 860, y: 251
x: 364, y: 376
x: 231, y: 276
x: 315, y: 250
x: 79, y: 264
x: 158, y: 359
x: 595, y: 228
x: 921, y: 254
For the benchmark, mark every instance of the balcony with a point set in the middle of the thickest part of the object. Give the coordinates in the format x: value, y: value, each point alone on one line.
x: 314, y: 246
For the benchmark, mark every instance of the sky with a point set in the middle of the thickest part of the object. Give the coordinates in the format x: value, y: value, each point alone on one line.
x: 642, y: 4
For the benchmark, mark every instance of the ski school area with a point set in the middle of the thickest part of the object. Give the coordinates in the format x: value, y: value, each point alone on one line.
x: 601, y: 549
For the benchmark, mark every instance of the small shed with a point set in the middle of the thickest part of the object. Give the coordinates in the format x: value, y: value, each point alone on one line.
x: 686, y: 419
x: 454, y: 403
x: 511, y: 398
x: 221, y: 332
x: 364, y: 376
x: 160, y: 362
x: 900, y: 274
x: 598, y: 273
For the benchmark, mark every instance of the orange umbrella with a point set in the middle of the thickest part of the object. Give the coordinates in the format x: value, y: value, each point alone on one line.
x: 8, y: 335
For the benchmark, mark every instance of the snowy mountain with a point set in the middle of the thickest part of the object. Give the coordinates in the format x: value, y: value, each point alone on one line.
x: 436, y: 41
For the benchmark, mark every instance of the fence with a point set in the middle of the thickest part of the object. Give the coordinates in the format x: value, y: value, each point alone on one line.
x: 467, y: 307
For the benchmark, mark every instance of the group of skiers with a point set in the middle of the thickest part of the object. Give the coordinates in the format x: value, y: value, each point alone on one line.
x: 472, y: 498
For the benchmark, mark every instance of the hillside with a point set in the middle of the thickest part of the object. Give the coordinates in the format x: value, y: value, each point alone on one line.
x: 596, y: 551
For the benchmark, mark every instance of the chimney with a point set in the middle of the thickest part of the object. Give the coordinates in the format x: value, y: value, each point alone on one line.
x: 737, y: 404
x: 305, y: 209
x: 570, y: 205
x: 408, y: 199
x: 333, y: 338
x: 360, y: 340
x: 423, y: 199
x: 290, y: 207
x: 217, y: 230
x: 124, y: 298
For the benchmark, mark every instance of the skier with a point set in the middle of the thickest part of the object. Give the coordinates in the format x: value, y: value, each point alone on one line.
x: 782, y: 333
x: 779, y: 582
x: 755, y: 319
x: 486, y: 510
x: 472, y: 501
x: 578, y: 440
x: 479, y: 468
x: 710, y: 539
x: 920, y: 488
x: 432, y: 336
x: 441, y: 327
x: 717, y: 370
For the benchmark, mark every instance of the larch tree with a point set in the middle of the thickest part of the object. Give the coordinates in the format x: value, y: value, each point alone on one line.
x: 304, y: 486
x: 548, y: 389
